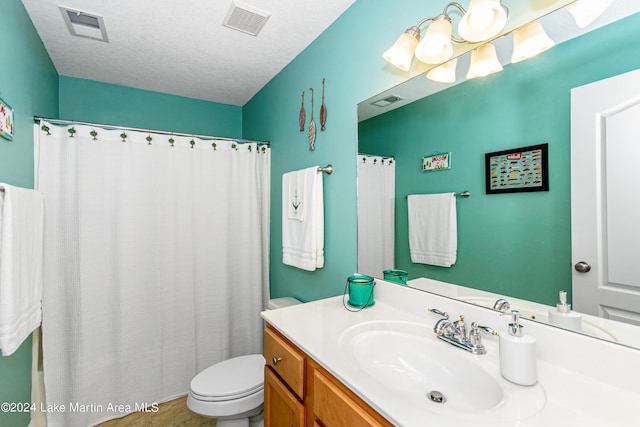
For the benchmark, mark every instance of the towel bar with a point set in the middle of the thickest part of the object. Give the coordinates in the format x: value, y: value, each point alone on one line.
x: 464, y: 194
x: 328, y: 169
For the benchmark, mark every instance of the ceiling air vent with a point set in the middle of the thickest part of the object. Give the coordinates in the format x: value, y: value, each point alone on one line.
x: 245, y: 18
x: 387, y: 101
x: 83, y: 24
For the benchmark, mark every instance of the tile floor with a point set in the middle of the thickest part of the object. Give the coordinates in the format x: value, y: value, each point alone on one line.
x: 170, y: 414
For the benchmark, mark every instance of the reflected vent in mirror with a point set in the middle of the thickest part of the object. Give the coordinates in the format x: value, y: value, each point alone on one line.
x: 391, y: 99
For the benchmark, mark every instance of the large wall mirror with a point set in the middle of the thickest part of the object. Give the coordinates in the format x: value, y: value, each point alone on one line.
x: 514, y: 246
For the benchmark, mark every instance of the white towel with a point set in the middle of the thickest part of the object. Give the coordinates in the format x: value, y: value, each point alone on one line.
x: 303, y: 240
x: 433, y: 230
x: 296, y: 204
x: 21, y: 246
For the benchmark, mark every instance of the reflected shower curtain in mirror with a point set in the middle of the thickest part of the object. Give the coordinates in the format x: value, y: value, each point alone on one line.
x: 376, y: 198
x: 155, y: 264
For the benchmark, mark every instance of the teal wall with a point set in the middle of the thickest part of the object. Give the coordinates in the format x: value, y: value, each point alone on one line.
x: 349, y: 55
x: 96, y: 102
x: 514, y: 244
x: 29, y: 83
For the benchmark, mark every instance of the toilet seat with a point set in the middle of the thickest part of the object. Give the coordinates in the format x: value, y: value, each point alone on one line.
x: 230, y: 379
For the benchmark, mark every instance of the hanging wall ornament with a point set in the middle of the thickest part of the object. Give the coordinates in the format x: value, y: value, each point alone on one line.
x: 323, y: 110
x: 312, y: 126
x: 302, y: 118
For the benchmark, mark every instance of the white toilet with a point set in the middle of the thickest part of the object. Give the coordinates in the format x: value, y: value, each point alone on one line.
x: 232, y: 391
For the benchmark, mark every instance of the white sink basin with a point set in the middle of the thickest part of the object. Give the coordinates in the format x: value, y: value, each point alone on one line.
x: 409, y: 361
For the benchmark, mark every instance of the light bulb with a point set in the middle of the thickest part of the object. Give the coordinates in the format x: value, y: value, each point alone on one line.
x: 484, y: 61
x: 586, y: 11
x: 446, y: 73
x: 481, y: 19
x: 401, y: 53
x: 436, y: 47
x: 529, y: 40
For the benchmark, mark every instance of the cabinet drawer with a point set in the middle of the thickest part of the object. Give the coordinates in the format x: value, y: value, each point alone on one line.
x: 334, y: 408
x: 285, y: 360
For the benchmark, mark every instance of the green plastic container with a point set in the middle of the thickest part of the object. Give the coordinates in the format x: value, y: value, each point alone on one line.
x: 397, y: 276
x: 361, y: 291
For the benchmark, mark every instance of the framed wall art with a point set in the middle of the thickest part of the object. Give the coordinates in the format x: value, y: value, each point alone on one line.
x: 436, y: 162
x: 6, y: 120
x: 517, y: 170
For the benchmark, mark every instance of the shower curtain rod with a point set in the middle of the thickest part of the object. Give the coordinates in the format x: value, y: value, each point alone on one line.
x: 161, y: 132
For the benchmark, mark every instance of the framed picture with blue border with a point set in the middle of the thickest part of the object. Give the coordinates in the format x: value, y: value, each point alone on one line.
x: 517, y: 170
x: 6, y: 120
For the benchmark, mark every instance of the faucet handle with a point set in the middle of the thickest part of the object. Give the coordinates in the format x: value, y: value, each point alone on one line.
x: 475, y: 328
x: 475, y: 338
x: 439, y: 313
x: 501, y: 304
x: 461, y: 328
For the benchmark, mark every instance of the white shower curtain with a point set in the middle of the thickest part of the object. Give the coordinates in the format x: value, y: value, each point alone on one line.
x: 156, y: 264
x: 376, y: 199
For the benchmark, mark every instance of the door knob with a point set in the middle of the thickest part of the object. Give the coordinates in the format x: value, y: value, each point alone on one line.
x: 582, y: 267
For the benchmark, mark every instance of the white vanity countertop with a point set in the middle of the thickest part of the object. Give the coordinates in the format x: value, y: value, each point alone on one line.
x: 587, y: 382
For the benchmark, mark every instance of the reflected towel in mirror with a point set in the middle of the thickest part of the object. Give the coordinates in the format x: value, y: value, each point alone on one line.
x: 433, y: 229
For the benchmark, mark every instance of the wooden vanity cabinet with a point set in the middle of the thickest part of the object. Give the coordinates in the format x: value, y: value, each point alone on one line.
x: 298, y: 392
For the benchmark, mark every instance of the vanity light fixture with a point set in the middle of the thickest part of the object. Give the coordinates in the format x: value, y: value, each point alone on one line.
x: 483, y: 20
x: 445, y: 73
x: 401, y: 53
x: 484, y: 61
x: 436, y: 46
x: 586, y: 11
x: 530, y: 40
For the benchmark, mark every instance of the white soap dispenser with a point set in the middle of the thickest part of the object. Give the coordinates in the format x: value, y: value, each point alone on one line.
x: 518, y: 354
x: 562, y: 315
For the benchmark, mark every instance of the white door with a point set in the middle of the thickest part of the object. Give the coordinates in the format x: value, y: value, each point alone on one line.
x: 605, y: 197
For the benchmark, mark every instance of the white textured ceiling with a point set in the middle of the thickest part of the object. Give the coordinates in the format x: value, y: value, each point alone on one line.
x: 180, y: 47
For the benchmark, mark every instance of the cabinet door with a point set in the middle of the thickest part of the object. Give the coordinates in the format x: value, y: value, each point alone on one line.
x: 281, y: 407
x: 334, y: 408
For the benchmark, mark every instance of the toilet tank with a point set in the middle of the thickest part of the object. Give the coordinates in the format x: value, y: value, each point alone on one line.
x: 282, y: 302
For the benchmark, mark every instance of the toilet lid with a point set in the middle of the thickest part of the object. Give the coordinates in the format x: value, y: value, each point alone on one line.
x: 231, y: 378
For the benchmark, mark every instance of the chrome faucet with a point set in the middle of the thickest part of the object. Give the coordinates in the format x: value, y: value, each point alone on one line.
x: 456, y: 333
x: 502, y: 305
